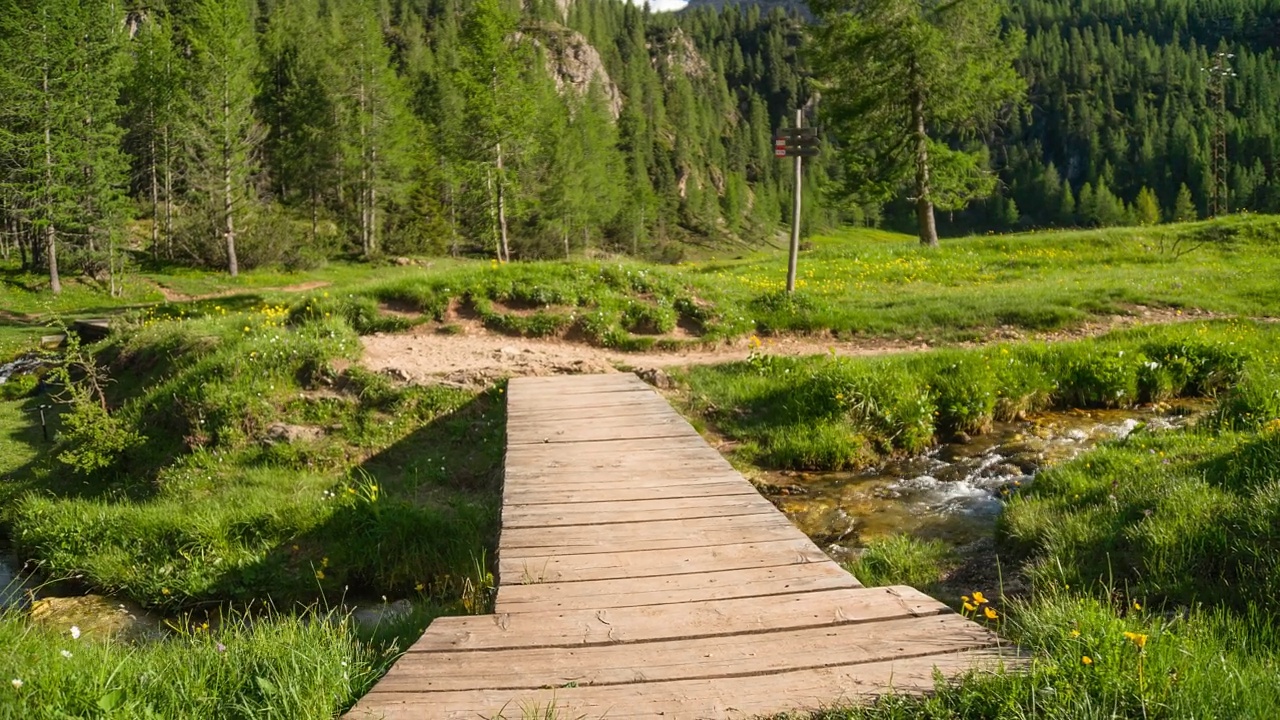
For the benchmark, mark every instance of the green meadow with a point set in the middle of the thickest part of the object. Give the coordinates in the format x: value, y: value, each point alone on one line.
x: 224, y: 461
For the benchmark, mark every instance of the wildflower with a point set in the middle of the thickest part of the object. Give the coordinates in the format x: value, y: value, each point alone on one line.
x: 978, y: 599
x: 319, y: 574
x: 964, y: 598
x: 16, y: 683
x: 1075, y: 633
x: 220, y: 647
x: 164, y: 591
x: 1086, y: 660
x: 1138, y: 639
x: 66, y: 654
x: 970, y: 607
x: 75, y: 632
x: 1137, y: 605
x: 246, y: 328
x: 990, y: 613
x: 419, y: 587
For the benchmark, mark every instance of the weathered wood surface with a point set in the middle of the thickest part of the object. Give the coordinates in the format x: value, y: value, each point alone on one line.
x: 641, y: 576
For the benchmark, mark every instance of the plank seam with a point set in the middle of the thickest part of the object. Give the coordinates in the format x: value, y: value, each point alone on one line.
x: 907, y: 614
x: 517, y: 526
x: 977, y: 645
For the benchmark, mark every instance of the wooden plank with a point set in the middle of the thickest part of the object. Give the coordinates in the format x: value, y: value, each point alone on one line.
x: 736, y: 698
x: 578, y: 383
x: 619, y: 535
x: 612, y: 400
x: 543, y: 436
x: 674, y: 589
x: 721, y: 657
x: 519, y: 515
x: 655, y: 563
x: 706, y: 619
x: 535, y: 495
x: 518, y: 543
x: 586, y: 413
x: 627, y: 452
x: 604, y: 479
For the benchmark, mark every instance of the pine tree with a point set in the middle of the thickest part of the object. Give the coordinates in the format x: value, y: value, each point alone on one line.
x: 155, y: 99
x: 1147, y: 207
x: 898, y: 76
x: 222, y: 132
x: 1184, y: 208
x: 495, y: 130
x: 60, y: 77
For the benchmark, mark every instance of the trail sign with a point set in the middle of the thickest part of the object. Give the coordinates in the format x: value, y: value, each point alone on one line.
x: 795, y: 142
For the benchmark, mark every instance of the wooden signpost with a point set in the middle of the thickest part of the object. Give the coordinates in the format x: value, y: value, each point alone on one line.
x: 795, y: 142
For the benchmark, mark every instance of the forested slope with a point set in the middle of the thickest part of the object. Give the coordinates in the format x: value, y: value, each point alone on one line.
x: 283, y: 131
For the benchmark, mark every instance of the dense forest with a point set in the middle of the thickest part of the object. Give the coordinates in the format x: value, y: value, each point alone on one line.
x: 233, y: 133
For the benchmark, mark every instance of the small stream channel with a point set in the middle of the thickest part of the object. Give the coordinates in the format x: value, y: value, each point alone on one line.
x: 955, y: 491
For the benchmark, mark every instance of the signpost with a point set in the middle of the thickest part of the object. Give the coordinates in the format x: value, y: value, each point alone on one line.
x: 795, y: 142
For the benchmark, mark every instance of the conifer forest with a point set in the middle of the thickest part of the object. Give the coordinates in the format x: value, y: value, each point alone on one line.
x: 236, y: 133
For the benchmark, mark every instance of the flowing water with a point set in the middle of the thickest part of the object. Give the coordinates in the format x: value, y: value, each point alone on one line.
x: 955, y: 491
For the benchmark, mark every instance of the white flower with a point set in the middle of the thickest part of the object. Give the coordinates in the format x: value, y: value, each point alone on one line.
x: 75, y: 632
x: 17, y: 684
x: 66, y: 653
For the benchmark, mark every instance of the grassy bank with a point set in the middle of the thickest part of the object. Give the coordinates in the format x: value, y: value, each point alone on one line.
x: 822, y: 413
x: 1150, y: 569
x: 241, y: 461
x: 307, y: 666
x: 857, y: 282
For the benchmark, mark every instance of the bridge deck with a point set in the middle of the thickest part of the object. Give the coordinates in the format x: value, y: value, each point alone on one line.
x: 641, y: 576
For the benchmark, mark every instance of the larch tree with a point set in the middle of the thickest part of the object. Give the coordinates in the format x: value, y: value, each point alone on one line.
x: 377, y: 126
x: 59, y: 140
x: 154, y: 94
x: 496, y: 110
x: 223, y: 134
x: 906, y: 85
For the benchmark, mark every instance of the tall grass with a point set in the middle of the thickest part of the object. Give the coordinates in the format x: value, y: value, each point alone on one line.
x: 391, y: 490
x: 835, y: 413
x: 281, y: 666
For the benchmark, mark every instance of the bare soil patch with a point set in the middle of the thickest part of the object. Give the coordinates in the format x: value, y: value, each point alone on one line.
x: 474, y: 356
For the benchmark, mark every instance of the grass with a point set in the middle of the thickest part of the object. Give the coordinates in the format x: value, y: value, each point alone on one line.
x: 829, y: 413
x: 852, y: 283
x: 280, y: 666
x: 181, y: 499
x: 1151, y: 566
x: 189, y: 495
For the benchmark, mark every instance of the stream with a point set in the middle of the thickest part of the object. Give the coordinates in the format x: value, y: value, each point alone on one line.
x: 955, y: 491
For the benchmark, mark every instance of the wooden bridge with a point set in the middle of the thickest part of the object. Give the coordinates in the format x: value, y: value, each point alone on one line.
x: 641, y: 576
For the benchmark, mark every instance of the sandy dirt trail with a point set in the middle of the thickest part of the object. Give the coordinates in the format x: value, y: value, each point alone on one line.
x: 476, y: 356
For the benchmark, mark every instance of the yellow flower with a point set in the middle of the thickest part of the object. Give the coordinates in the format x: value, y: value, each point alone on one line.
x: 1075, y: 633
x: 970, y: 607
x: 990, y: 613
x: 1086, y: 660
x: 246, y: 328
x: 164, y: 591
x: 1137, y: 639
x: 978, y: 598
x: 1137, y: 605
x: 324, y: 562
x: 964, y: 598
x: 319, y: 574
x: 419, y: 587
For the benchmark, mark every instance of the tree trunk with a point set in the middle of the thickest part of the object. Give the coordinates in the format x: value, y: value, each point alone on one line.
x: 505, y: 251
x: 228, y: 208
x: 168, y: 197
x: 925, y: 222
x: 155, y: 192
x: 566, y: 243
x: 50, y: 235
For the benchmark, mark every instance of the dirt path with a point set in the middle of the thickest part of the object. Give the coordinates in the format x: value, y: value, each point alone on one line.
x: 171, y: 295
x: 477, y: 356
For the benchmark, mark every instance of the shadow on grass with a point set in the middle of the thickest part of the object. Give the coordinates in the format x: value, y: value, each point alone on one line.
x: 417, y: 519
